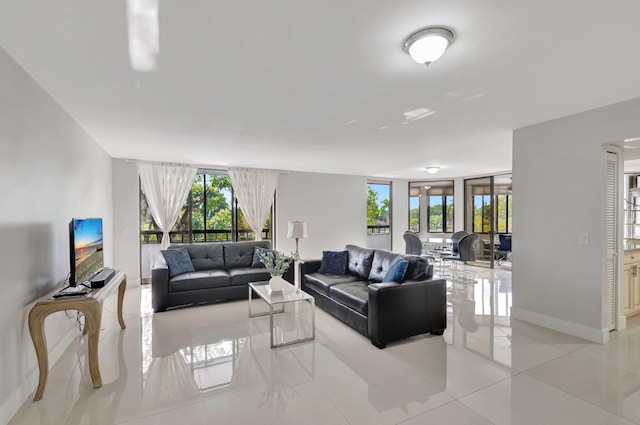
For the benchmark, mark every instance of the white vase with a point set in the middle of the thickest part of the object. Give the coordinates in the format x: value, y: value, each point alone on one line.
x: 275, y: 283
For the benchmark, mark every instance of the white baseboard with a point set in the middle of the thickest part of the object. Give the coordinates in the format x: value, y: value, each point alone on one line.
x: 599, y: 336
x: 25, y: 391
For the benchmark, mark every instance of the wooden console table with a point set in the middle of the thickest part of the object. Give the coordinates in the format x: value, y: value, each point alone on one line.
x: 91, y: 306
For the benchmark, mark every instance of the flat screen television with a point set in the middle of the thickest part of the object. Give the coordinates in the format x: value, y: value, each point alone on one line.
x: 86, y: 249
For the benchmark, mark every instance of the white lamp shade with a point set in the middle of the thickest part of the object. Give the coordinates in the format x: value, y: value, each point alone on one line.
x: 297, y: 229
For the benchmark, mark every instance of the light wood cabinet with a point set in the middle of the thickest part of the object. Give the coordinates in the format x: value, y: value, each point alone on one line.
x: 631, y: 283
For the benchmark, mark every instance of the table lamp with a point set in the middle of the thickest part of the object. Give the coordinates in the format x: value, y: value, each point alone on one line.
x: 297, y: 230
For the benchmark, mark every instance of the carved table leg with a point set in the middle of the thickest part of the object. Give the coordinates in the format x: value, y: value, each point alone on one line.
x: 93, y: 315
x: 36, y: 329
x: 121, y: 289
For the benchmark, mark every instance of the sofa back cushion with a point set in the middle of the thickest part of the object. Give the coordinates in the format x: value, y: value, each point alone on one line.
x: 240, y: 254
x: 382, y: 261
x: 206, y: 256
x: 360, y: 260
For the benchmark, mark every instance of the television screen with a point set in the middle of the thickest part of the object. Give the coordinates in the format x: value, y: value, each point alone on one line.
x: 87, y: 256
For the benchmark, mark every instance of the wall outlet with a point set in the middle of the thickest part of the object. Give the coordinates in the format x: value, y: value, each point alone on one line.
x: 583, y: 238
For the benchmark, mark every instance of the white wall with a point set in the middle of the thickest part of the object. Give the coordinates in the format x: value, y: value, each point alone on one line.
x: 50, y: 171
x: 558, y: 180
x: 334, y: 207
x: 126, y: 219
x: 400, y: 213
x: 458, y: 205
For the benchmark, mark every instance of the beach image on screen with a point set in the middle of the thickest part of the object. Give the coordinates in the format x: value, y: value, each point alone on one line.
x: 88, y: 247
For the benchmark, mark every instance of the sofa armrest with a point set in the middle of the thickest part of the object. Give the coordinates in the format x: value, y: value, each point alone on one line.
x: 159, y: 284
x: 399, y: 310
x: 307, y: 267
x: 159, y: 262
x: 290, y: 274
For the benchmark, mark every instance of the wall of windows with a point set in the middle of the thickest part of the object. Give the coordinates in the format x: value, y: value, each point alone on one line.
x: 431, y: 206
x: 210, y: 214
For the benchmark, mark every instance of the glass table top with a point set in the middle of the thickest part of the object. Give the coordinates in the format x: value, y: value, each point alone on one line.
x: 289, y: 293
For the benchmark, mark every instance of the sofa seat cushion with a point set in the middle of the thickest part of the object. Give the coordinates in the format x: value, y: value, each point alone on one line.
x: 244, y: 275
x: 354, y: 295
x: 321, y: 282
x: 204, y: 279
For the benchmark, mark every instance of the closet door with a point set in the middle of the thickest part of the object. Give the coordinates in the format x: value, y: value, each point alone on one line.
x: 611, y: 241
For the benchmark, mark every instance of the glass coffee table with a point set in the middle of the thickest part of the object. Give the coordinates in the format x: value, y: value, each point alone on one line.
x: 289, y: 294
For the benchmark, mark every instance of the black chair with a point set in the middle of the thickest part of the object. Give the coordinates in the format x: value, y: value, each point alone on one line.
x: 455, y: 240
x: 466, y: 251
x: 503, y: 253
x: 413, y: 244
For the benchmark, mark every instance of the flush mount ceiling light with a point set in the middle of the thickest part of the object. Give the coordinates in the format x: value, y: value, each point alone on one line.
x: 428, y: 44
x: 432, y: 170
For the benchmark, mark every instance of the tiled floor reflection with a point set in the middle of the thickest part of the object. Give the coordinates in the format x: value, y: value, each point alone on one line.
x: 213, y: 365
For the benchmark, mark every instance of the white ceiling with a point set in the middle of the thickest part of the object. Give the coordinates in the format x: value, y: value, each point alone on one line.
x: 323, y: 85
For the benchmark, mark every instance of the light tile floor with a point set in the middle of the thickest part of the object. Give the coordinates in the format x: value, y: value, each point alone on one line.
x: 213, y: 365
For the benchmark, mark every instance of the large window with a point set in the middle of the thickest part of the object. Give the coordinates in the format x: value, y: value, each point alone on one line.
x: 440, y: 212
x: 503, y: 213
x: 481, y: 213
x: 414, y: 213
x: 437, y: 199
x: 378, y: 208
x: 210, y: 214
x: 502, y: 204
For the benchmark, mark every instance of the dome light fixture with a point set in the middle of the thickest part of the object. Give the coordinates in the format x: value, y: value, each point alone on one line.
x: 432, y: 170
x: 428, y: 45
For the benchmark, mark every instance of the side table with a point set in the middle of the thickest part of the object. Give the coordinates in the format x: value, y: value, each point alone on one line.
x: 91, y: 306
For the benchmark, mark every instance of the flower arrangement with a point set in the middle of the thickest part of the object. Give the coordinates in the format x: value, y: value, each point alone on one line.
x: 275, y: 262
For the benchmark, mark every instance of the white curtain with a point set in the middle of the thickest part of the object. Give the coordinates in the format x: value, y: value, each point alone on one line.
x: 166, y: 187
x: 254, y: 190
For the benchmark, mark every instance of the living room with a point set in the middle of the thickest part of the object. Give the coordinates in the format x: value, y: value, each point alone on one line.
x: 54, y: 169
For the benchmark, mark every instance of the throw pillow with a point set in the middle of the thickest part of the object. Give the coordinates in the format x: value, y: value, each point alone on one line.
x: 178, y: 261
x: 257, y: 264
x: 418, y: 268
x: 334, y: 262
x: 397, y: 270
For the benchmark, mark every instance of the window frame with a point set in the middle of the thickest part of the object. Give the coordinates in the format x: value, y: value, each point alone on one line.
x: 378, y: 228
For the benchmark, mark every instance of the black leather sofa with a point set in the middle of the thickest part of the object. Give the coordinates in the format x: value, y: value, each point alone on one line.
x: 383, y: 312
x: 222, y: 273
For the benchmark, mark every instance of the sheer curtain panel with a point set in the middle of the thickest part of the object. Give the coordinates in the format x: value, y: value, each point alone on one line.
x: 166, y: 187
x: 254, y: 190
